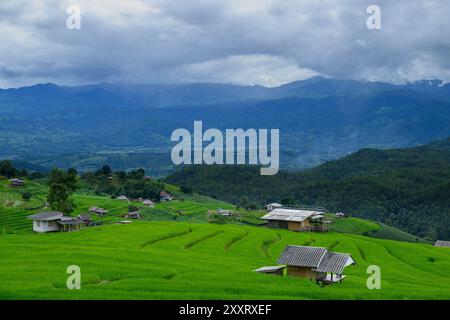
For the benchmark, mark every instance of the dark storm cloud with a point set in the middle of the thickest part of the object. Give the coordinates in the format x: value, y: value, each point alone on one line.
x: 249, y: 42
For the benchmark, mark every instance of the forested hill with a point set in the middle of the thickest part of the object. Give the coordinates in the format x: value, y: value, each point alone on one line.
x: 406, y: 188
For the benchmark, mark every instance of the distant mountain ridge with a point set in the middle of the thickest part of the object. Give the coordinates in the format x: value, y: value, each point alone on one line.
x: 319, y: 119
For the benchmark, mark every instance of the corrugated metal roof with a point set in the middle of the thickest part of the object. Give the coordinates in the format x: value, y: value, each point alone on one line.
x: 71, y: 221
x: 289, y: 215
x: 301, y: 256
x: 315, y: 257
x: 48, y: 215
x: 277, y: 205
x: 441, y: 243
x: 269, y: 269
x: 334, y: 262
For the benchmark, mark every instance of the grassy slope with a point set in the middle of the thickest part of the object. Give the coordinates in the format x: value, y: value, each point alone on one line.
x: 371, y: 229
x: 176, y: 260
x: 192, y: 208
x: 197, y: 260
x: 188, y: 208
x: 352, y: 225
x: 388, y: 232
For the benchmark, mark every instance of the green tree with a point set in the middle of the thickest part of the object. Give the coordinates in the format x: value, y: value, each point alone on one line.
x: 186, y: 189
x: 7, y: 169
x: 62, y: 185
x: 26, y: 196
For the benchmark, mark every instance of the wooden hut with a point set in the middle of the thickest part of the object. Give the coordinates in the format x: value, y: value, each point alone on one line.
x: 296, y: 220
x: 315, y: 263
x: 272, y: 206
x: 132, y: 215
x: 16, y: 183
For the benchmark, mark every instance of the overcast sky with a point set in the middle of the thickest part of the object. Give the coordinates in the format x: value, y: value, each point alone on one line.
x: 266, y: 42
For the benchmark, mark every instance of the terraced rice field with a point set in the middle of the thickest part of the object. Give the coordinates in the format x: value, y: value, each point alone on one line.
x: 192, y: 207
x: 176, y: 260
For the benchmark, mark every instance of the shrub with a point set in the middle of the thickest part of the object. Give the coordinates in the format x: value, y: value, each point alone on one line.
x: 26, y: 196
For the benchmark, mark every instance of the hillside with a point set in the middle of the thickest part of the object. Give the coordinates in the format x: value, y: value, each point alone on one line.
x: 176, y: 260
x: 173, y: 253
x: 185, y: 207
x: 406, y: 188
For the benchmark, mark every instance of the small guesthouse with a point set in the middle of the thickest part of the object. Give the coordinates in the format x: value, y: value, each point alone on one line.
x: 220, y: 213
x: 132, y: 215
x: 98, y: 211
x: 148, y: 203
x: 67, y: 224
x: 16, y: 183
x: 296, y: 220
x: 165, y: 196
x: 340, y: 215
x: 441, y: 243
x: 46, y: 221
x: 86, y: 218
x: 224, y: 213
x: 315, y: 263
x: 271, y: 206
x: 55, y: 221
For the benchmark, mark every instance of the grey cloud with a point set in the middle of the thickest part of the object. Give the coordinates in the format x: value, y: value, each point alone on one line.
x: 266, y: 42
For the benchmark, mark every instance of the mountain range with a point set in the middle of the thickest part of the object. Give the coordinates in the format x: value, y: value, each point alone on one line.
x: 320, y: 119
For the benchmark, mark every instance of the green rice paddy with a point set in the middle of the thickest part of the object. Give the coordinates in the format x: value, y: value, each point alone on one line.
x: 187, y: 258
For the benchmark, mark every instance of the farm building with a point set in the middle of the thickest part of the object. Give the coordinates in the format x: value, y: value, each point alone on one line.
x: 148, y: 203
x: 98, y: 211
x: 132, y: 215
x: 220, y: 212
x: 296, y: 220
x: 164, y: 196
x: 55, y: 221
x: 16, y: 183
x: 225, y: 213
x: 86, y: 218
x: 124, y: 198
x: 46, y: 221
x: 271, y: 206
x: 125, y: 222
x: 70, y: 224
x: 441, y: 243
x: 315, y: 263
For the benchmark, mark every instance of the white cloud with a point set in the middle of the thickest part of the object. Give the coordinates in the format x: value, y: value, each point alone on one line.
x: 264, y: 70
